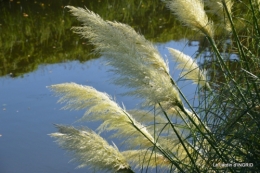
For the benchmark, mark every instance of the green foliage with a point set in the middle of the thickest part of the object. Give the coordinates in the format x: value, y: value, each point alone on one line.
x: 174, y: 136
x: 38, y: 32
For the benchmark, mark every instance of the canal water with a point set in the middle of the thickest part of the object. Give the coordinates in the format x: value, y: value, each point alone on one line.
x: 37, y: 49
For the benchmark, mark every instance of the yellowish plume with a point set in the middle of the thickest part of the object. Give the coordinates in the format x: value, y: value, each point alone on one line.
x: 100, y: 107
x: 89, y: 149
x: 192, y: 14
x: 135, y: 60
x: 190, y: 69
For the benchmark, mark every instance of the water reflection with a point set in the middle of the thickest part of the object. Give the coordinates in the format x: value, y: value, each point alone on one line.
x: 34, y: 33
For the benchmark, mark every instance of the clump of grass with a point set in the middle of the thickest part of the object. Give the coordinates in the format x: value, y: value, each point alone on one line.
x: 176, y: 137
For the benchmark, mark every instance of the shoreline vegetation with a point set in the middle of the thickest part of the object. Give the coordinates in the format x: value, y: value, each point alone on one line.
x: 36, y: 33
x: 173, y: 136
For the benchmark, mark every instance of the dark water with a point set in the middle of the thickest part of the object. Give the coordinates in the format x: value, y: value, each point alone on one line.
x: 38, y: 50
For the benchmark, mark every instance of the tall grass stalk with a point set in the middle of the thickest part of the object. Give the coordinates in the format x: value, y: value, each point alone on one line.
x: 173, y: 136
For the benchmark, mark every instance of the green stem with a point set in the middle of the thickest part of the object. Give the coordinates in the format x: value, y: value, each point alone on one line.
x: 220, y: 59
x: 208, y: 132
x: 241, y: 52
x: 180, y: 139
x: 155, y: 144
x: 254, y: 18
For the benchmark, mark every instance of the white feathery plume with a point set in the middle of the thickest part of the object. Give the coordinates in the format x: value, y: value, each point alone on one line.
x: 192, y: 14
x: 190, y: 69
x: 136, y: 61
x: 101, y: 108
x: 216, y: 7
x: 89, y: 149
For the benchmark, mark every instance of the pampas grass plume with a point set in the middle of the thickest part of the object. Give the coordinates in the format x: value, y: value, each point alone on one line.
x: 190, y: 69
x: 192, y: 14
x: 89, y: 149
x: 135, y: 61
x: 102, y: 108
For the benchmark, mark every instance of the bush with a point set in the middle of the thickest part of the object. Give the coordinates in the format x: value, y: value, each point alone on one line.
x: 221, y: 134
